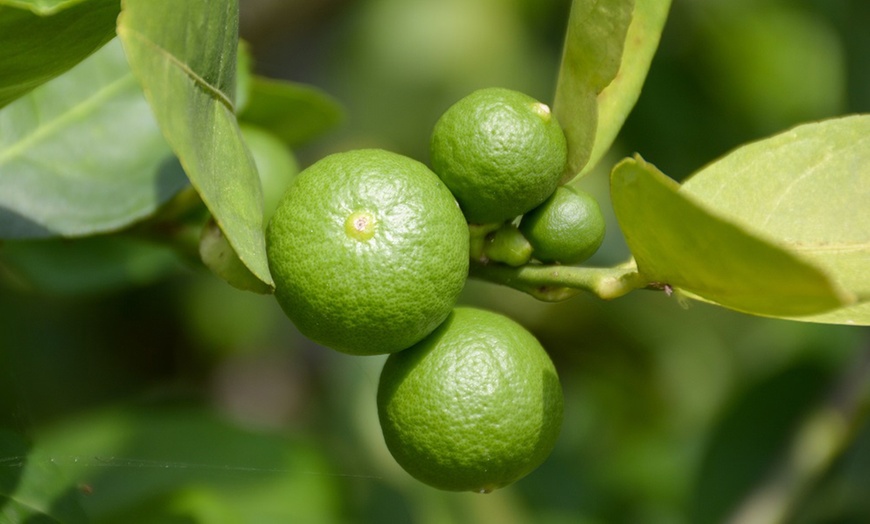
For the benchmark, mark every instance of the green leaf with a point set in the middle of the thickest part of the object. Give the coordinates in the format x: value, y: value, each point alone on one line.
x: 616, y: 101
x: 32, y: 487
x: 35, y: 47
x: 93, y: 264
x: 590, y: 61
x: 150, y: 461
x: 296, y: 113
x: 680, y: 242
x: 184, y: 55
x: 808, y: 189
x: 83, y: 154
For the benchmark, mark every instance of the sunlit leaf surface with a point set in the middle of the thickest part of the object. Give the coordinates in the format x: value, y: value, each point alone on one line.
x: 679, y: 242
x: 809, y: 190
x: 83, y: 154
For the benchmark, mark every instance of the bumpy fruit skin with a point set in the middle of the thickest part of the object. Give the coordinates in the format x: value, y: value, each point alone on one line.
x: 567, y: 228
x: 500, y: 152
x: 369, y: 252
x: 474, y: 406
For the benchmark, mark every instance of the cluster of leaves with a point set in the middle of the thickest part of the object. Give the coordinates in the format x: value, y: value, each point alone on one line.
x: 119, y: 127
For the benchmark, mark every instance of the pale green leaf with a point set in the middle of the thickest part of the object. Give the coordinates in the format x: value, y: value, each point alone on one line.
x: 679, y: 242
x: 590, y: 61
x: 184, y: 55
x: 35, y: 48
x: 295, y: 113
x: 83, y: 154
x: 617, y: 100
x: 808, y: 189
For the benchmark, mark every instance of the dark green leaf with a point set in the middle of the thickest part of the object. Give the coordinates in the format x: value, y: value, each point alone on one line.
x: 87, y: 265
x: 751, y: 438
x: 294, y: 112
x: 41, y: 39
x: 808, y: 189
x: 590, y: 61
x: 83, y: 154
x: 679, y: 242
x: 184, y: 54
x: 150, y: 462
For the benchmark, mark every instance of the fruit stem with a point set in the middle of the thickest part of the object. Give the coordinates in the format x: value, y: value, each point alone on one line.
x: 553, y: 283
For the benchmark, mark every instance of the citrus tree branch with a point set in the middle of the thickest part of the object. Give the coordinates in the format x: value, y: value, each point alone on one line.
x: 552, y: 283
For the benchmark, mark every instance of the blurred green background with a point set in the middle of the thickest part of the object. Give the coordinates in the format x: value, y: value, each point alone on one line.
x: 135, y: 387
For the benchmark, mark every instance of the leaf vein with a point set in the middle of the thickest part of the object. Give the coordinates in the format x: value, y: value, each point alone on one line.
x: 45, y: 129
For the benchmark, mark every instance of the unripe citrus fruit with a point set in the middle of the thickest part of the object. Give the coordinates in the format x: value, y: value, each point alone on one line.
x: 500, y: 152
x: 474, y: 406
x: 567, y: 228
x: 368, y: 250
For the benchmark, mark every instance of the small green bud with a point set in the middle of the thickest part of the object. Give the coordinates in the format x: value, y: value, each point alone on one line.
x: 508, y: 246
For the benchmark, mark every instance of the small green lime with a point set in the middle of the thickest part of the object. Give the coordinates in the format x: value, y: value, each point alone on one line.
x: 368, y: 250
x: 500, y: 152
x: 567, y: 228
x: 474, y: 406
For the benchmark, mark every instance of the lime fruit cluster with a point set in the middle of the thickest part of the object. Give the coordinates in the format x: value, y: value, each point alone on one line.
x: 369, y: 251
x: 503, y: 154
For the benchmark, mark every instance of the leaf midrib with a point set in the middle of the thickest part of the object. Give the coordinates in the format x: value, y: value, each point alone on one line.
x: 72, y: 114
x: 215, y: 92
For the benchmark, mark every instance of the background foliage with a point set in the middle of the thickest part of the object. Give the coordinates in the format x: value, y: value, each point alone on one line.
x: 136, y: 388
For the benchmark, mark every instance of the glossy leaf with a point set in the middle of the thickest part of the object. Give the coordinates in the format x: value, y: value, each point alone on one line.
x: 82, y: 154
x: 184, y: 55
x: 42, y: 39
x: 680, y: 242
x: 590, y: 60
x: 809, y: 189
x: 296, y: 113
x: 617, y: 100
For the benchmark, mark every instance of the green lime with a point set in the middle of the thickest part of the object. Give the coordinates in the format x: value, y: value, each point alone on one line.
x: 567, y: 228
x: 474, y: 406
x: 368, y: 250
x: 500, y: 152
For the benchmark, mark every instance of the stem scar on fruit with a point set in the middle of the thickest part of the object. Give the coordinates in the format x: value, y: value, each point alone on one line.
x: 360, y: 225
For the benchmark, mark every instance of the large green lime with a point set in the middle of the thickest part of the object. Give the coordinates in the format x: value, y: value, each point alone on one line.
x: 474, y: 406
x: 368, y: 250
